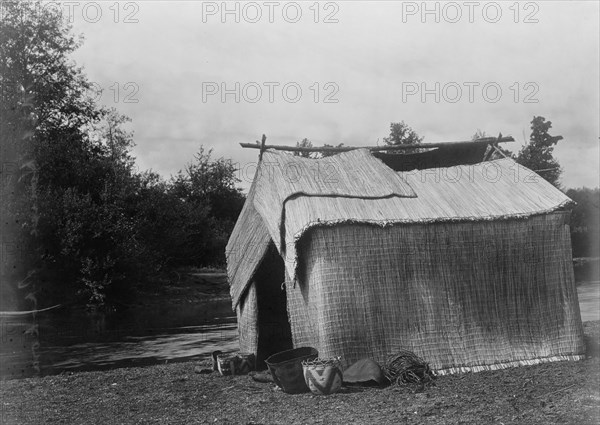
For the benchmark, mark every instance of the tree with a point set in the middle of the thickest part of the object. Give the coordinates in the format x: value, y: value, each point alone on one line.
x: 212, y: 182
x: 92, y: 227
x: 212, y: 202
x: 305, y: 143
x: 71, y: 201
x: 537, y: 155
x: 402, y: 134
x: 41, y: 104
x: 326, y: 154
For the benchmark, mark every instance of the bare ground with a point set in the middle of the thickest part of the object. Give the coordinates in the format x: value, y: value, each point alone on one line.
x: 552, y: 393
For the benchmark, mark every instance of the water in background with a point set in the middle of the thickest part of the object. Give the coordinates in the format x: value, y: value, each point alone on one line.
x: 589, y: 300
x: 68, y: 340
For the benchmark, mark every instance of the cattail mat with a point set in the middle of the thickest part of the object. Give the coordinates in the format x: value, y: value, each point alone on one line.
x: 405, y: 367
x: 473, y: 272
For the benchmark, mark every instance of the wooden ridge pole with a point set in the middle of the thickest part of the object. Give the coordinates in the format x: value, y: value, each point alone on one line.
x: 485, y: 140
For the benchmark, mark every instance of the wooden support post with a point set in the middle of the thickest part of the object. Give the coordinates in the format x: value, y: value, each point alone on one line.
x: 262, y: 147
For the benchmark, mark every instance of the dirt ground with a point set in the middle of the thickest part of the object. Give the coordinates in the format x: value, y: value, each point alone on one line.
x: 552, y: 393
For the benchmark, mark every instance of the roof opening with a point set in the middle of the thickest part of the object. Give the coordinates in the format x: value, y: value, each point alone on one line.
x: 434, y: 158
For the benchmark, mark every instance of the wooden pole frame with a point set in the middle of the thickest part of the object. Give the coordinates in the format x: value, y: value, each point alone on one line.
x: 485, y: 140
x: 262, y: 146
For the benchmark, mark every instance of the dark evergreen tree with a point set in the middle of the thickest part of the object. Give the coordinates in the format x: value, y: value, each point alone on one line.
x: 537, y: 155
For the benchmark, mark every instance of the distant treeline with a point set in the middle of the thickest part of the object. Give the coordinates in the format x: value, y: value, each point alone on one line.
x: 585, y: 222
x: 79, y: 223
x: 90, y: 228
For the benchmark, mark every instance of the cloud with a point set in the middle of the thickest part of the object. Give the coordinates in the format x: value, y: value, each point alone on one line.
x: 369, y: 59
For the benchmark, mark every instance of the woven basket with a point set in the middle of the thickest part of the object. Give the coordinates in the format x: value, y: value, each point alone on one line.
x: 245, y: 363
x: 286, y: 368
x: 323, y: 376
x: 226, y: 364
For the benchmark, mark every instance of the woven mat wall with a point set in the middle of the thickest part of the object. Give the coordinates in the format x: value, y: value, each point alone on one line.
x: 247, y: 318
x: 457, y: 294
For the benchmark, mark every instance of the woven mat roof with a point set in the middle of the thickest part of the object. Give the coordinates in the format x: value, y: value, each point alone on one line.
x: 357, y: 174
x: 246, y: 247
x: 292, y: 194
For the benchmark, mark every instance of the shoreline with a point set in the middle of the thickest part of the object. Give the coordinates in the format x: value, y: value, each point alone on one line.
x: 558, y: 392
x: 189, y: 284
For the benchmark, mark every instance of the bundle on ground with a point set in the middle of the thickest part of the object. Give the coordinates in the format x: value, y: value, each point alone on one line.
x: 406, y: 367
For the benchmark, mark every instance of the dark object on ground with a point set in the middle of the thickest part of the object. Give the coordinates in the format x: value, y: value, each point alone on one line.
x: 406, y: 367
x: 202, y: 371
x: 245, y: 363
x: 364, y: 372
x: 263, y: 376
x: 286, y: 368
x: 214, y: 358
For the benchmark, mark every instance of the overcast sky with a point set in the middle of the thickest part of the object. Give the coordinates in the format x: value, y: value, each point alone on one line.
x: 446, y: 71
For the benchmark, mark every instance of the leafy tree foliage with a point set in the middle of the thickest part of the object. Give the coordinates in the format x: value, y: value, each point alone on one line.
x: 45, y: 108
x: 209, y: 185
x: 326, y: 154
x: 315, y: 155
x: 402, y: 134
x: 90, y: 225
x: 537, y: 155
x: 305, y: 143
